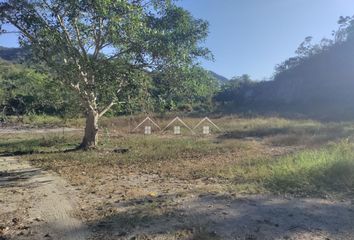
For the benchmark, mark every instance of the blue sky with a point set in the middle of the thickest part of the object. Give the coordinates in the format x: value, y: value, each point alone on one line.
x: 252, y: 36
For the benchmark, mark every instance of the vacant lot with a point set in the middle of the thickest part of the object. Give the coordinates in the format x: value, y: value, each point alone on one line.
x: 259, y: 178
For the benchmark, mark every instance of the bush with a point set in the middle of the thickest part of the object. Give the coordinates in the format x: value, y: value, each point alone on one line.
x: 330, y: 169
x: 185, y: 107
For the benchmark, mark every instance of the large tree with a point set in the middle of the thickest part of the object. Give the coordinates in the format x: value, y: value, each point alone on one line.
x: 98, y: 47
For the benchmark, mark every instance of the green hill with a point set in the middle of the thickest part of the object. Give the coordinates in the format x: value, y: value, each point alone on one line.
x: 221, y: 79
x: 318, y: 82
x: 12, y: 54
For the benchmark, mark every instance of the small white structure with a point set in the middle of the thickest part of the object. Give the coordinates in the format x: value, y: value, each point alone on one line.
x: 206, y: 123
x: 177, y: 130
x: 177, y: 123
x: 206, y: 130
x: 148, y: 125
x: 147, y: 130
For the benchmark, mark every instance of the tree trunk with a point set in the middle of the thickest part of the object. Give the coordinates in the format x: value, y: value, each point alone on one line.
x: 90, y: 139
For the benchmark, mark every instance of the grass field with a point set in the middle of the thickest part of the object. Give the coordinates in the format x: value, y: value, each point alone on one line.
x: 301, y: 158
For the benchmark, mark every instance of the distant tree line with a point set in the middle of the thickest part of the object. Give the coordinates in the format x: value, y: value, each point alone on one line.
x: 317, y: 82
x: 308, y: 49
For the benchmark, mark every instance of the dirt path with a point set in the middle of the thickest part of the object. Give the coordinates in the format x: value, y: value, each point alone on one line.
x: 16, y: 130
x: 182, y: 207
x: 35, y: 204
x: 38, y: 205
x: 271, y: 217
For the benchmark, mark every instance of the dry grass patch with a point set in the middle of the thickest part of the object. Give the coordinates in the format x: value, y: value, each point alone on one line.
x: 259, y: 155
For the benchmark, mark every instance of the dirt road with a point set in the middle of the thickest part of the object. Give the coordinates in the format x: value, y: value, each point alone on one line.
x: 36, y: 205
x: 221, y: 216
x: 17, y: 130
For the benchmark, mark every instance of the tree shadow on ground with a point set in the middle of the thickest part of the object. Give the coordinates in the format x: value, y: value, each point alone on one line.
x: 258, y: 132
x: 18, y: 178
x: 226, y: 217
x: 33, y: 146
x: 291, y: 135
x: 29, y: 152
x: 18, y: 147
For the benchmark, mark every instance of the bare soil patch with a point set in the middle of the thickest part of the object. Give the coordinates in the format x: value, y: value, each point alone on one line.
x: 151, y: 207
x: 36, y: 204
x: 240, y: 184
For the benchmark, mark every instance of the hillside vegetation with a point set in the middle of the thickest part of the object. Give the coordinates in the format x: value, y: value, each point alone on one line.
x: 318, y: 82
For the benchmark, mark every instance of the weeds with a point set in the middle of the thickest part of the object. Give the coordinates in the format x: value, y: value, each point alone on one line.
x: 19, y: 144
x: 274, y: 155
x: 314, y: 172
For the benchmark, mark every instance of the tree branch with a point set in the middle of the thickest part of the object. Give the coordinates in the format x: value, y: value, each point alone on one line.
x: 77, y: 31
x: 22, y: 30
x: 10, y: 32
x: 113, y: 102
x: 98, y: 42
x: 66, y: 33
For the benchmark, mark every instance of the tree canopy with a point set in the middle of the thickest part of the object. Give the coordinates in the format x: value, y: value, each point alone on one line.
x: 99, y: 48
